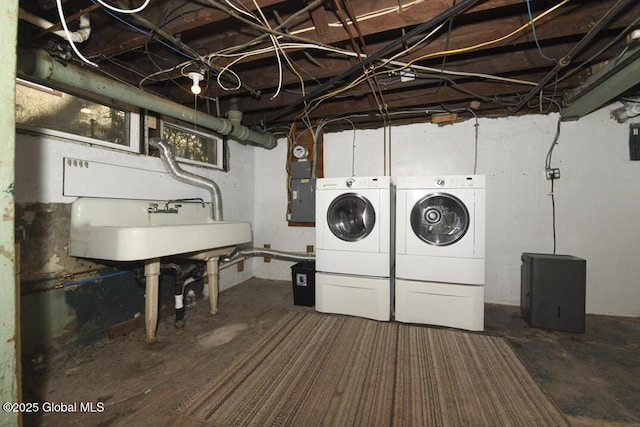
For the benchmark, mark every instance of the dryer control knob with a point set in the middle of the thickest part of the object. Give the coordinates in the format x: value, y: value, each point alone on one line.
x: 439, y: 182
x: 350, y: 182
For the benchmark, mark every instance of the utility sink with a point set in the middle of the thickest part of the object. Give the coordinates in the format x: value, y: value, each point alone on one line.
x: 133, y: 229
x: 148, y: 230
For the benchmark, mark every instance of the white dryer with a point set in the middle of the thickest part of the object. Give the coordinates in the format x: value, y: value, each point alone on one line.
x: 354, y: 246
x: 440, y: 250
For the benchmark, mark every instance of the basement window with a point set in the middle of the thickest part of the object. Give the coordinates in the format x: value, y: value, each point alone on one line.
x: 48, y: 111
x: 194, y: 146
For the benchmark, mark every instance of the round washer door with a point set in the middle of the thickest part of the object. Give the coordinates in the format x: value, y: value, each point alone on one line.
x: 351, y: 217
x: 440, y: 219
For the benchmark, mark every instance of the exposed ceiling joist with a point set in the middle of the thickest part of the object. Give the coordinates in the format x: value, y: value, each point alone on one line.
x: 280, y: 58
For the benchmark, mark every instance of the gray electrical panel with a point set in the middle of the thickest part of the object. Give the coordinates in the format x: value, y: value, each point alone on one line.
x: 300, y: 169
x: 303, y: 200
x: 303, y: 195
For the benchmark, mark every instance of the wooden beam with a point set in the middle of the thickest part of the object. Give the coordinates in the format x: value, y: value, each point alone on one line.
x: 192, y: 15
x: 321, y: 24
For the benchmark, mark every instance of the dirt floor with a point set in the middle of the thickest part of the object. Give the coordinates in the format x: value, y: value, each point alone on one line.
x: 593, y: 377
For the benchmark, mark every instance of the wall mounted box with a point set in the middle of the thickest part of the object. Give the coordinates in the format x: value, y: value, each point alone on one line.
x: 553, y: 291
x: 303, y: 200
x: 300, y: 169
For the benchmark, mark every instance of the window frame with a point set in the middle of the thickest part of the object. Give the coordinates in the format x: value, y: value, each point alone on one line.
x: 220, y: 145
x: 133, y: 118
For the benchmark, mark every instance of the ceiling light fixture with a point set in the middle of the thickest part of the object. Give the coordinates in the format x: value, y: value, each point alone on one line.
x: 197, y: 78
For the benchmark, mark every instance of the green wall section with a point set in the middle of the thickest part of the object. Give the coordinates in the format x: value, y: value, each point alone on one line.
x: 63, y: 319
x: 9, y: 330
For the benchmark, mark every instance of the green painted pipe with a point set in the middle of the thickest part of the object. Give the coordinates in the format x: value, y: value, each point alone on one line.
x: 39, y: 64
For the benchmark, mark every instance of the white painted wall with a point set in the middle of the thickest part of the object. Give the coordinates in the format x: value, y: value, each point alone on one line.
x: 270, y: 217
x: 597, y: 197
x: 40, y: 178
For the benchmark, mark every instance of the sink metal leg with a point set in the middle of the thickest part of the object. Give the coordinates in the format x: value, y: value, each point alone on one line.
x: 212, y: 276
x: 152, y: 276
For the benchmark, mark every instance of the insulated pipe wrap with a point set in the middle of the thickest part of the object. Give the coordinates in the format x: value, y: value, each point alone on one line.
x: 171, y: 165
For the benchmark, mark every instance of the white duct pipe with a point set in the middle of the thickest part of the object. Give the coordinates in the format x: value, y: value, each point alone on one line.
x: 171, y: 165
x: 79, y: 36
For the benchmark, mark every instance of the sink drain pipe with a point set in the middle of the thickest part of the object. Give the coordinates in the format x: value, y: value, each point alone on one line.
x: 171, y: 165
x: 183, y: 276
x: 268, y: 253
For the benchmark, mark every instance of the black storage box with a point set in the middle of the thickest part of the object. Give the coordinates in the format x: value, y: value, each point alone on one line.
x: 303, y: 275
x: 553, y: 289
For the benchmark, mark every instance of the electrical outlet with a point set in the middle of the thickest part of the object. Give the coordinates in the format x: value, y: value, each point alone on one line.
x: 552, y: 173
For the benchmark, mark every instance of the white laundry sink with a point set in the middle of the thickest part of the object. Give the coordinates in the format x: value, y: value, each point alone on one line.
x: 133, y: 229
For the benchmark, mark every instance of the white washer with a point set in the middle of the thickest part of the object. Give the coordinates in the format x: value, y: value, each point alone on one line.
x: 440, y: 250
x: 354, y: 246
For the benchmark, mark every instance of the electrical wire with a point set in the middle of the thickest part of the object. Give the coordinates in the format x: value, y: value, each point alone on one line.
x: 535, y: 35
x: 402, y: 66
x: 475, y: 143
x: 353, y: 142
x: 191, y: 54
x: 244, y: 12
x: 146, y: 33
x: 150, y: 57
x: 115, y: 9
x: 552, y: 177
x: 446, y: 46
x: 365, y: 17
x: 360, y: 49
x: 354, y: 83
x: 65, y: 28
x: 280, y: 48
x: 276, y: 49
x: 94, y: 279
x: 584, y: 63
x: 491, y: 42
x: 241, y: 56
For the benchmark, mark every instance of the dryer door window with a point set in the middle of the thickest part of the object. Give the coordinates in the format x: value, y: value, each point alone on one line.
x: 440, y: 219
x: 351, y: 217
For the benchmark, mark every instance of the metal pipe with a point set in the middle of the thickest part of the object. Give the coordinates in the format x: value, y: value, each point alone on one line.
x: 79, y: 36
x: 183, y: 47
x: 171, y: 165
x: 268, y: 253
x: 566, y: 60
x: 432, y: 23
x: 180, y: 276
x: 39, y: 64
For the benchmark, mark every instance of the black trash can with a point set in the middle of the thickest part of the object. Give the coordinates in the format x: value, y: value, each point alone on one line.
x: 303, y: 275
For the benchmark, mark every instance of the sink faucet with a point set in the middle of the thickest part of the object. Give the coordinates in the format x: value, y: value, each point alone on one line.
x: 189, y: 200
x: 153, y: 208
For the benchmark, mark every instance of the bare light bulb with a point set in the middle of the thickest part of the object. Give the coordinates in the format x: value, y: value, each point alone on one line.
x: 196, y: 78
